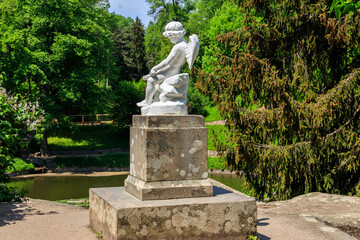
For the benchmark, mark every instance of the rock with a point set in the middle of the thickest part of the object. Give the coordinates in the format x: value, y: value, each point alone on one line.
x: 40, y: 170
x: 314, y: 215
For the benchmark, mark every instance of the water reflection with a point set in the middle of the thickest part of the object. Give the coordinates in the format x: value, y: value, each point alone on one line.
x: 230, y: 180
x: 67, y: 187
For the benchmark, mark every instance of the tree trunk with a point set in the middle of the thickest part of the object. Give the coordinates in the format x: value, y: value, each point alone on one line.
x: 44, y: 147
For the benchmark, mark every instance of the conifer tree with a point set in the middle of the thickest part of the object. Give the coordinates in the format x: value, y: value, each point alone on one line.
x: 288, y: 84
x: 122, y: 53
x: 138, y: 49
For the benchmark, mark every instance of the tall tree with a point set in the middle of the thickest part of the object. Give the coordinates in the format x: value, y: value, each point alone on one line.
x: 122, y: 53
x: 56, y: 51
x: 202, y: 20
x: 199, y: 20
x: 287, y: 82
x: 157, y: 47
x: 121, y: 29
x: 138, y: 49
x: 176, y: 10
x: 153, y: 42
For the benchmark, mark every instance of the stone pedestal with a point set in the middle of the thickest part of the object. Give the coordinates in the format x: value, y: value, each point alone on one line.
x: 119, y: 215
x: 168, y: 158
x: 168, y: 169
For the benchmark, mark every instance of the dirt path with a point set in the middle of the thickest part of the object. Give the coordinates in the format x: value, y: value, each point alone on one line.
x: 219, y: 122
x: 44, y: 220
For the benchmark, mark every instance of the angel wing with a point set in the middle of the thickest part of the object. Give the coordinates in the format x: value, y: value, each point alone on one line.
x: 192, y: 49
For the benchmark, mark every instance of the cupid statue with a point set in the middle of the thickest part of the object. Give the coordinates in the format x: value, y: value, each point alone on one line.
x: 166, y: 89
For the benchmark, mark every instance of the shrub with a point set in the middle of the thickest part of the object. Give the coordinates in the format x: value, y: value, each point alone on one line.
x: 197, y: 102
x: 127, y: 94
x: 18, y: 165
x: 17, y: 119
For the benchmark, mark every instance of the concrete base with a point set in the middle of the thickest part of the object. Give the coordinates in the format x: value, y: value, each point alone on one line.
x: 168, y: 189
x: 119, y: 215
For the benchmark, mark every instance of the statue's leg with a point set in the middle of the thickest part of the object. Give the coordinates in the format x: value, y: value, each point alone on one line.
x: 150, y: 91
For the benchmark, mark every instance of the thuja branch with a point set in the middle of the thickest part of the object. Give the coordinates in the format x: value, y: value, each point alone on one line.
x: 343, y: 126
x: 282, y: 147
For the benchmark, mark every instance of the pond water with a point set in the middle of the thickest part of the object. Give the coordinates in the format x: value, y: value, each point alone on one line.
x: 68, y: 187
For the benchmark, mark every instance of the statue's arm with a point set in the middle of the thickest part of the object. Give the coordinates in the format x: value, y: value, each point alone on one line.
x: 167, y: 62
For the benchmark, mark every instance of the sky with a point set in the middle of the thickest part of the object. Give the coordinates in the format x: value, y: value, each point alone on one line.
x: 131, y: 8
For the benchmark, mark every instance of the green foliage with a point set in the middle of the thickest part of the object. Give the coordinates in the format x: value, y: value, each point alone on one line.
x: 216, y: 132
x: 226, y: 19
x: 196, y: 102
x: 175, y: 10
x: 18, y: 165
x: 127, y: 94
x: 129, y: 39
x: 58, y: 52
x: 18, y: 118
x: 138, y: 50
x: 157, y: 46
x: 216, y: 163
x: 213, y: 114
x: 287, y: 83
x: 344, y: 7
x: 200, y: 21
x: 122, y: 52
x: 118, y: 160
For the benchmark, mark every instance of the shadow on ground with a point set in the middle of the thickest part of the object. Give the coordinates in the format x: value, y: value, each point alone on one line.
x: 262, y: 237
x: 13, y: 212
x: 262, y: 222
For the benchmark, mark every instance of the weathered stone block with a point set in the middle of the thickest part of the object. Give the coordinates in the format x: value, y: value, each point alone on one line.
x: 168, y: 189
x: 119, y: 215
x: 165, y: 148
x: 168, y: 148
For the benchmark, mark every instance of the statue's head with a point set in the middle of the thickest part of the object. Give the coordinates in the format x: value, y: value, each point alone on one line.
x: 174, y: 29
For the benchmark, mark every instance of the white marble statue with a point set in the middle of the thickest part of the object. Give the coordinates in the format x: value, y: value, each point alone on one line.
x: 166, y: 90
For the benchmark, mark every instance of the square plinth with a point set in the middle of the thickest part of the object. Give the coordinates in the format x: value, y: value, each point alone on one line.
x: 119, y: 215
x: 168, y: 148
x: 168, y: 157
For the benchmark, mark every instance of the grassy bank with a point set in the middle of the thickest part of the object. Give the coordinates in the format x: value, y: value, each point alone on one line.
x: 79, y: 137
x: 118, y: 160
x: 83, y: 202
x: 213, y: 114
x: 216, y: 163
